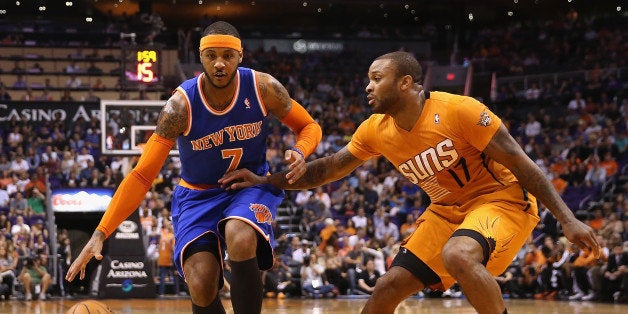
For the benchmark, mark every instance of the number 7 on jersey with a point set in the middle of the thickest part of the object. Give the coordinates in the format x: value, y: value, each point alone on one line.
x: 235, y: 154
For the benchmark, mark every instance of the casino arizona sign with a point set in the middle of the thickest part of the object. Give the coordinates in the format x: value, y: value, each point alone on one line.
x: 126, y: 270
x: 48, y: 111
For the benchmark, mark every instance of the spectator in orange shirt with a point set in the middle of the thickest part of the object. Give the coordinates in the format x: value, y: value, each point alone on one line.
x: 534, y: 257
x: 559, y: 166
x: 350, y: 229
x: 5, y: 178
x: 559, y: 183
x: 598, y: 219
x: 147, y: 220
x: 36, y: 181
x: 609, y: 164
x: 532, y: 264
x: 327, y: 234
x: 581, y: 266
x: 165, y: 261
x: 347, y: 125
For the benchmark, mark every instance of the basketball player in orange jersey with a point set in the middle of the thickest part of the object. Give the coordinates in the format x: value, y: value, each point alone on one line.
x: 480, y: 182
x: 219, y: 120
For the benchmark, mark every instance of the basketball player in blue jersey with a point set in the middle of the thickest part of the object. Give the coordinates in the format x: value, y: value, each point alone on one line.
x: 219, y: 122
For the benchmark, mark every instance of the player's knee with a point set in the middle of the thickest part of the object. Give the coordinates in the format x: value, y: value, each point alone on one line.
x: 201, y: 275
x: 457, y: 257
x: 202, y: 290
x: 241, y: 240
x: 384, y: 284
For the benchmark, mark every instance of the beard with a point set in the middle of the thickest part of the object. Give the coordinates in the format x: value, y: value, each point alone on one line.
x: 385, y: 104
x: 378, y: 107
x: 209, y: 78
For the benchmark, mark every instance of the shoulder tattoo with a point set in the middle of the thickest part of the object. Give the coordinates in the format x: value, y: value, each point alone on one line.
x: 280, y: 92
x: 172, y: 121
x: 263, y: 90
x: 275, y: 94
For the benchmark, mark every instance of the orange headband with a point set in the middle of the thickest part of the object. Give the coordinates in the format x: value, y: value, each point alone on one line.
x: 220, y: 41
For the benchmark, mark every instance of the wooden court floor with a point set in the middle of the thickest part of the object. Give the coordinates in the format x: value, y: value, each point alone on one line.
x: 290, y: 306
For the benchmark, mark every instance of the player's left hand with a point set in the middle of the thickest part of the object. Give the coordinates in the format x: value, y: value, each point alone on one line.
x: 296, y: 165
x: 582, y: 235
x: 93, y: 248
x: 240, y: 179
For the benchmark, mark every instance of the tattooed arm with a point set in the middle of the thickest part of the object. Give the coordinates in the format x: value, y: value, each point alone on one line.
x: 173, y: 118
x: 318, y: 172
x: 308, y: 133
x: 274, y: 96
x: 505, y: 150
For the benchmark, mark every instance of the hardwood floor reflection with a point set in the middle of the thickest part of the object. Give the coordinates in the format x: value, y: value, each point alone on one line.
x: 319, y: 306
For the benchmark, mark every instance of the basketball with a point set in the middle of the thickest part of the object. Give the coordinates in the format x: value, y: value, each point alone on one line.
x: 89, y: 307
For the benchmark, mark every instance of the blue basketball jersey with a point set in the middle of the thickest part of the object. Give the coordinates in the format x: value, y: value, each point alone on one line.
x: 220, y: 141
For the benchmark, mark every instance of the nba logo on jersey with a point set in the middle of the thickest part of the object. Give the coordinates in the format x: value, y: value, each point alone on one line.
x: 247, y: 103
x: 436, y: 118
x: 262, y: 213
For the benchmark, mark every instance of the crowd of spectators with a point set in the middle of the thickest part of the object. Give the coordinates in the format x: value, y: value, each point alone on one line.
x: 568, y: 42
x: 349, y: 231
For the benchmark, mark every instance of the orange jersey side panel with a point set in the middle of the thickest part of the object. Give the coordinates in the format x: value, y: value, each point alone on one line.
x: 443, y: 151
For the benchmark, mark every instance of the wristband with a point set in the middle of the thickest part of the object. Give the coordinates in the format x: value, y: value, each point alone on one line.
x: 298, y: 151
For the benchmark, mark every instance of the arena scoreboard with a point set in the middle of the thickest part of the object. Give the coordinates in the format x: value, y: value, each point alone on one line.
x: 141, y: 65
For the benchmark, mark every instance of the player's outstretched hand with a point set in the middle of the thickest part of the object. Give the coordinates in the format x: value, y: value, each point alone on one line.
x: 582, y: 235
x: 296, y: 165
x: 239, y: 179
x: 91, y: 249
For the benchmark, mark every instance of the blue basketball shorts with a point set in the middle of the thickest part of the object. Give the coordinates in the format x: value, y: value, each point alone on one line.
x: 198, y: 218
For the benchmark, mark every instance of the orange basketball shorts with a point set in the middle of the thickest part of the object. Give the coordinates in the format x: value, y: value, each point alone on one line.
x: 505, y: 219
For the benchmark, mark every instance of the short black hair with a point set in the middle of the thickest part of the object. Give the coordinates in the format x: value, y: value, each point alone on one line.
x: 405, y: 63
x: 221, y: 28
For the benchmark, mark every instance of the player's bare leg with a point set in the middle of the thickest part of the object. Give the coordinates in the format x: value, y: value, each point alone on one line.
x: 201, y: 272
x: 395, y: 286
x: 246, y: 280
x: 462, y: 257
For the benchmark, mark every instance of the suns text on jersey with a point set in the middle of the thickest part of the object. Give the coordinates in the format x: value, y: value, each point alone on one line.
x: 239, y: 132
x: 429, y: 161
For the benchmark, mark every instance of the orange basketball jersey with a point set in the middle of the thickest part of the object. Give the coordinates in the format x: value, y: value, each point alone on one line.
x: 443, y: 151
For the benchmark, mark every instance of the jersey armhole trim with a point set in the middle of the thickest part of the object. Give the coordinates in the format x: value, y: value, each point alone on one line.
x: 258, y: 94
x: 189, y: 109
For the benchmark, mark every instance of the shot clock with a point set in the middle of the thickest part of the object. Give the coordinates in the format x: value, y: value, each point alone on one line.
x: 142, y: 65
